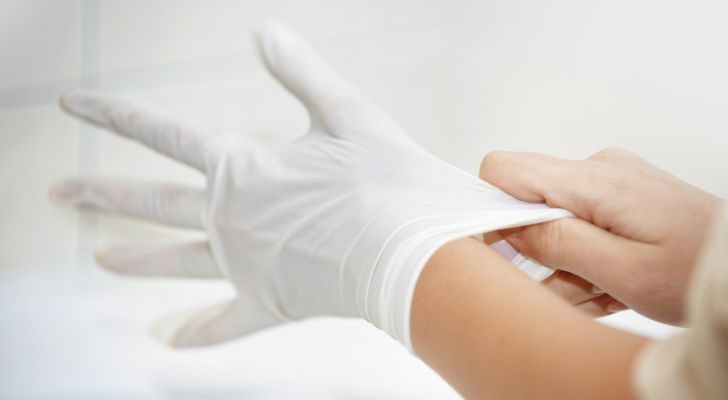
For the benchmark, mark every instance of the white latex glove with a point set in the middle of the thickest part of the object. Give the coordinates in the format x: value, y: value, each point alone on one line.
x: 339, y: 222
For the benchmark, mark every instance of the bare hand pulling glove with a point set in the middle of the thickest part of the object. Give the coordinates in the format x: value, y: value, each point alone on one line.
x: 643, y: 227
x: 339, y: 222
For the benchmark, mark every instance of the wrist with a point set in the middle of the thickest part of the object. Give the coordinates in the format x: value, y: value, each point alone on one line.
x: 484, y: 327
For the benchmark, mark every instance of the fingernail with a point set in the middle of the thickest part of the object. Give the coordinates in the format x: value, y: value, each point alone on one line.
x: 65, y: 193
x: 616, y: 306
x: 597, y: 290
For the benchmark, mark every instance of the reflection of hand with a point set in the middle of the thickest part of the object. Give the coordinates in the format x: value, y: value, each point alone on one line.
x: 638, y: 231
x: 339, y: 222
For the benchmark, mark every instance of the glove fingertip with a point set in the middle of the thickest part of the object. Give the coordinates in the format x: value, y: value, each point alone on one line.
x: 65, y: 193
x: 266, y: 26
x: 75, y: 100
x: 113, y: 259
x: 264, y: 39
x: 201, y: 327
x: 168, y: 330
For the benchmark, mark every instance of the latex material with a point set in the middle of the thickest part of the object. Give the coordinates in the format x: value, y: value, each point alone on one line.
x: 340, y: 222
x: 355, y: 236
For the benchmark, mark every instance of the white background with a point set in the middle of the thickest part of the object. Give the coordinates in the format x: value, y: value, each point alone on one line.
x: 463, y: 77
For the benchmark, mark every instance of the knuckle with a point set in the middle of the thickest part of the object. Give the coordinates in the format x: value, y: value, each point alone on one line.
x: 490, y: 163
x: 611, y: 153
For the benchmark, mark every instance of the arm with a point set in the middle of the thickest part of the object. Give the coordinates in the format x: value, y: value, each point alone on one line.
x: 531, y: 346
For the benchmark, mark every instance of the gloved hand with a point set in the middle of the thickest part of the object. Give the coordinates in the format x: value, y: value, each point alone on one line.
x: 339, y: 222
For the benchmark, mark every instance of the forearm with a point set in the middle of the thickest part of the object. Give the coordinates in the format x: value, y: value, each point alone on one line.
x: 491, y: 332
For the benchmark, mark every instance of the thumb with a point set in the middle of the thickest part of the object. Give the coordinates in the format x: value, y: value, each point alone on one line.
x: 583, y: 249
x: 213, y: 324
x: 330, y: 100
x: 294, y: 62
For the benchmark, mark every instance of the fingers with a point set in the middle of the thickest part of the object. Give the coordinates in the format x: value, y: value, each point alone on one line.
x: 582, y: 294
x: 571, y: 288
x: 601, y: 306
x: 165, y: 203
x: 161, y: 131
x: 212, y: 325
x: 581, y: 248
x: 521, y: 175
x: 185, y: 260
x: 331, y: 101
x: 582, y: 187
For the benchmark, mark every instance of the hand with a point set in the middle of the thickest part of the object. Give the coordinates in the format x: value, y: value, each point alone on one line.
x: 638, y: 232
x: 339, y: 222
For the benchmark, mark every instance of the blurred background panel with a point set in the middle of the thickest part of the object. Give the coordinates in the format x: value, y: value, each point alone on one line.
x: 464, y: 77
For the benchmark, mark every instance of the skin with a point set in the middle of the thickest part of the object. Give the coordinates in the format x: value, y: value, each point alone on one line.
x: 639, y: 229
x: 638, y: 234
x: 530, y: 346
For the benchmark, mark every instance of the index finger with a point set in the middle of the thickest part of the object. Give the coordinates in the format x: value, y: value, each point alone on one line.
x: 581, y: 187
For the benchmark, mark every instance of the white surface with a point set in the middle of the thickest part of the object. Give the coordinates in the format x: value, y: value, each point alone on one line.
x: 88, y: 337
x: 463, y: 77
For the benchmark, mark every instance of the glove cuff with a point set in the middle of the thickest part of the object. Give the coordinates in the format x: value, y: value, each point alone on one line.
x: 385, y: 299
